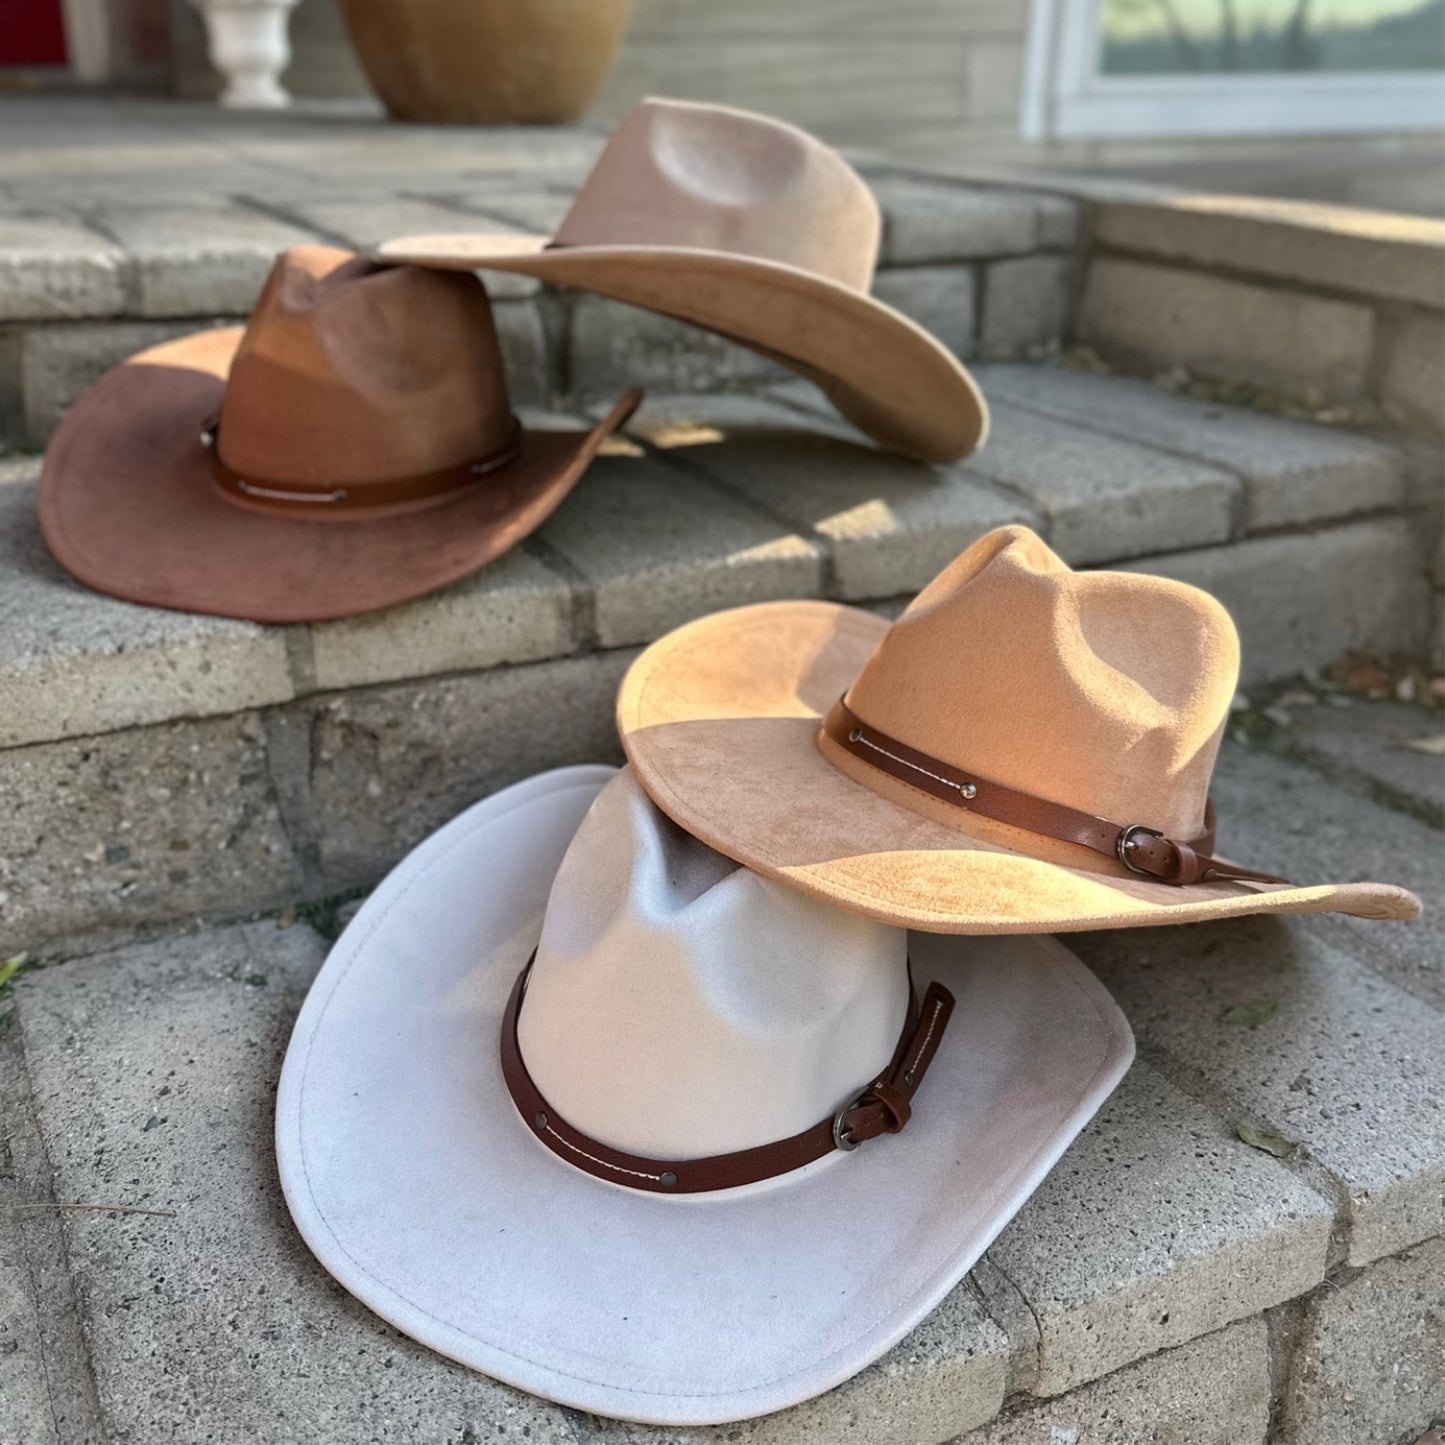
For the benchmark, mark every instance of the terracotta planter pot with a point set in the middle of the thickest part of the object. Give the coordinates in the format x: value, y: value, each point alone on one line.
x: 486, y: 62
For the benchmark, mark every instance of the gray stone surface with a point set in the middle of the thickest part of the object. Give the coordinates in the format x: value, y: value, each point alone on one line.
x: 379, y: 770
x: 1413, y: 384
x: 154, y: 1072
x: 516, y: 609
x: 535, y: 211
x: 1345, y: 1065
x: 890, y: 525
x: 1292, y: 472
x: 59, y: 363
x: 612, y: 347
x: 1286, y: 819
x: 946, y: 1376
x: 656, y: 548
x: 1102, y: 499
x: 525, y: 353
x: 152, y: 823
x: 73, y: 661
x: 1331, y: 248
x: 55, y: 268
x: 1212, y: 1391
x: 198, y: 261
x: 939, y: 298
x: 1157, y: 1226
x: 1369, y: 1361
x: 924, y: 221
x: 1303, y: 601
x: 1285, y: 341
x: 1028, y: 302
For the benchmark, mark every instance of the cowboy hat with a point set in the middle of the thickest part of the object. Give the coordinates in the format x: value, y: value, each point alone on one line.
x: 753, y: 229
x: 582, y: 1104
x: 1026, y: 749
x: 351, y: 447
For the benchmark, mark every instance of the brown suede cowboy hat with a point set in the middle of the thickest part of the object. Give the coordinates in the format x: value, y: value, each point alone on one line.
x: 352, y: 447
x: 1027, y: 749
x: 755, y: 230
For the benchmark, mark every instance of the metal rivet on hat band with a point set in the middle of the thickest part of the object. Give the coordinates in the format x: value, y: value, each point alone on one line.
x: 884, y: 1106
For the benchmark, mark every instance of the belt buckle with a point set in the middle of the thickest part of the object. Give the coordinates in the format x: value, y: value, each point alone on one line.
x: 1125, y: 841
x: 842, y: 1139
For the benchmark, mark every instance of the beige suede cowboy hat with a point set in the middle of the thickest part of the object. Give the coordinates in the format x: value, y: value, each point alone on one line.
x: 577, y: 1102
x: 352, y: 447
x: 1026, y: 749
x: 753, y: 229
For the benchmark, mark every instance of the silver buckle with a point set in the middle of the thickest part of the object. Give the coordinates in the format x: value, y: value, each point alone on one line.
x: 842, y: 1139
x: 1125, y: 842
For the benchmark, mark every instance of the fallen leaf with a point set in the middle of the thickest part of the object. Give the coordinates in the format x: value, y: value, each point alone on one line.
x: 1433, y: 745
x: 1250, y: 1015
x: 1268, y: 1141
x: 11, y: 966
x: 1297, y: 697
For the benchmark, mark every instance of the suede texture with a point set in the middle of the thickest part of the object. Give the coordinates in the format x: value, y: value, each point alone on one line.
x: 1105, y: 691
x: 748, y: 227
x: 347, y: 373
x: 412, y: 1178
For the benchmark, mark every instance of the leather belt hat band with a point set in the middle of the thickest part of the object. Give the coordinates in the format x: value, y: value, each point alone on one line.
x: 1141, y: 850
x: 390, y: 492
x: 882, y: 1107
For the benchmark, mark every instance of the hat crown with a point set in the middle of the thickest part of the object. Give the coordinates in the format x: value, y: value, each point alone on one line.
x: 1103, y: 691
x: 680, y: 1006
x: 350, y: 372
x: 710, y: 177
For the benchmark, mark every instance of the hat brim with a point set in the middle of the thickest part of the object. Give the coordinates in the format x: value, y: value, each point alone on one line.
x: 884, y: 372
x: 720, y: 721
x: 414, y: 1181
x: 128, y: 505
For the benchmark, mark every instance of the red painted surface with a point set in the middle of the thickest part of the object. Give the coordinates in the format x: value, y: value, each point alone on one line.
x: 32, y: 32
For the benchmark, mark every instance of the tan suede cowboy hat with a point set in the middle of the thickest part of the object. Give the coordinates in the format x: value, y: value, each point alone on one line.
x: 753, y: 229
x: 352, y: 447
x: 1026, y: 749
x: 582, y: 1104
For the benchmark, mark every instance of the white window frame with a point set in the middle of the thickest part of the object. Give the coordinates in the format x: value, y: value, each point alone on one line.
x: 1065, y: 96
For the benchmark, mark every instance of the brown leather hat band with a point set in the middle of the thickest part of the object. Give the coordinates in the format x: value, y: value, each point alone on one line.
x: 289, y: 496
x: 884, y: 1106
x: 1141, y: 850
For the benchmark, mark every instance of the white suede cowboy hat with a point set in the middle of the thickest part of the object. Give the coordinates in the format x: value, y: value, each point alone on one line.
x: 352, y: 447
x: 753, y: 229
x: 674, y: 1144
x: 1027, y: 749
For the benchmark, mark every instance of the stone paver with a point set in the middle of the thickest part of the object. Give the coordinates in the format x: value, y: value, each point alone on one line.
x: 1282, y: 817
x: 149, y: 823
x: 375, y: 772
x: 1341, y: 1062
x: 73, y: 661
x: 1103, y: 499
x: 53, y: 268
x: 1292, y: 472
x: 1285, y: 341
x: 1370, y: 1361
x: 1212, y: 1391
x: 516, y: 609
x: 1300, y: 602
x: 656, y: 548
x: 939, y: 298
x: 890, y: 525
x: 1414, y: 379
x: 1028, y: 302
x: 946, y: 1376
x: 525, y: 353
x: 1157, y: 1226
x: 927, y: 222
x: 154, y: 1071
x: 199, y: 262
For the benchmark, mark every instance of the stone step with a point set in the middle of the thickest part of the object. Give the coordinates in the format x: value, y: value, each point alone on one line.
x: 162, y: 764
x: 1167, y: 1280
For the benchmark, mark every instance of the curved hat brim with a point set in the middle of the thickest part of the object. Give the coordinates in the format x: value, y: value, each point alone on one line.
x: 720, y: 722
x: 416, y: 1184
x: 128, y: 505
x: 884, y: 372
